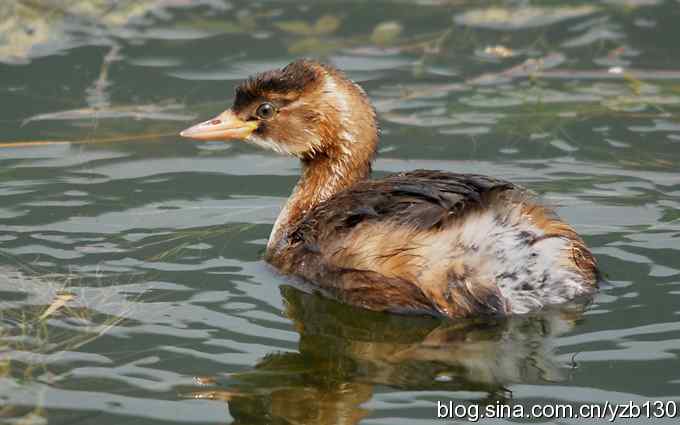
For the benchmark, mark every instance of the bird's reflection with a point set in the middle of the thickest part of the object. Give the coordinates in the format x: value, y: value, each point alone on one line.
x: 344, y: 353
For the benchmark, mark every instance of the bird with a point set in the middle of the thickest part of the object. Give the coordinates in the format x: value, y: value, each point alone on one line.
x: 421, y: 242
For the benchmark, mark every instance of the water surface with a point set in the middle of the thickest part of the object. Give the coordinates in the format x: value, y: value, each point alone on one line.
x: 132, y: 288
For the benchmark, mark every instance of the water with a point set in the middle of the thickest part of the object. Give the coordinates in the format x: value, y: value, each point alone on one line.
x: 132, y: 289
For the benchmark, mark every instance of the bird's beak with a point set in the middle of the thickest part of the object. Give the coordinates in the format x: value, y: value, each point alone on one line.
x: 226, y: 126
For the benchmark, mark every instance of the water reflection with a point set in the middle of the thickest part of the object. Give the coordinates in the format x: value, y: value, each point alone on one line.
x: 345, y: 354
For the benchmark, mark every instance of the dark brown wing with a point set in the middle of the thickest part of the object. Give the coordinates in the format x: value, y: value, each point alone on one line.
x: 422, y: 199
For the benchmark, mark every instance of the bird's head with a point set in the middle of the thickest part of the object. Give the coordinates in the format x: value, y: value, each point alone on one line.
x: 305, y: 109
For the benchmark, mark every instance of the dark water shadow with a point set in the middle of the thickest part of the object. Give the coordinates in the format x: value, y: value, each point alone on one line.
x: 345, y: 355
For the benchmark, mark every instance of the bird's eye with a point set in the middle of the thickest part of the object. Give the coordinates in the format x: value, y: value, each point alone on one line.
x: 265, y: 111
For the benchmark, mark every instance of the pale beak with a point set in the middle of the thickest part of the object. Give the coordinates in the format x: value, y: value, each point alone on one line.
x: 226, y: 126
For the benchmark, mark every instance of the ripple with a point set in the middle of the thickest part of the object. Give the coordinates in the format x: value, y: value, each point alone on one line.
x: 237, y: 70
x: 521, y: 18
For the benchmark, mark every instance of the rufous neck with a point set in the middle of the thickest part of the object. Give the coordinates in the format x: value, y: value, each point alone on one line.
x: 322, y: 177
x: 340, y: 160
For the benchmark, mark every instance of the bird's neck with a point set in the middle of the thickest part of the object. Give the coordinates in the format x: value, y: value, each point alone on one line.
x: 322, y: 177
x: 342, y: 159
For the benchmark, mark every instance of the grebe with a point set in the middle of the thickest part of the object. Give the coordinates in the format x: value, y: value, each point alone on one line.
x: 423, y: 242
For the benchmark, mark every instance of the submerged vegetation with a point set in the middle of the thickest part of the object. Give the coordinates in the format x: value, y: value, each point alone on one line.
x: 47, y: 316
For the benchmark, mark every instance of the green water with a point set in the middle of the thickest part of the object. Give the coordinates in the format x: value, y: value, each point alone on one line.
x: 132, y: 288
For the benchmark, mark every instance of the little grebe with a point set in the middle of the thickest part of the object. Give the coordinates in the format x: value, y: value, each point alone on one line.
x: 424, y: 241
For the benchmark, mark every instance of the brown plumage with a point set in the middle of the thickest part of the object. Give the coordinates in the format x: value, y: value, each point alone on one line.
x: 419, y: 242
